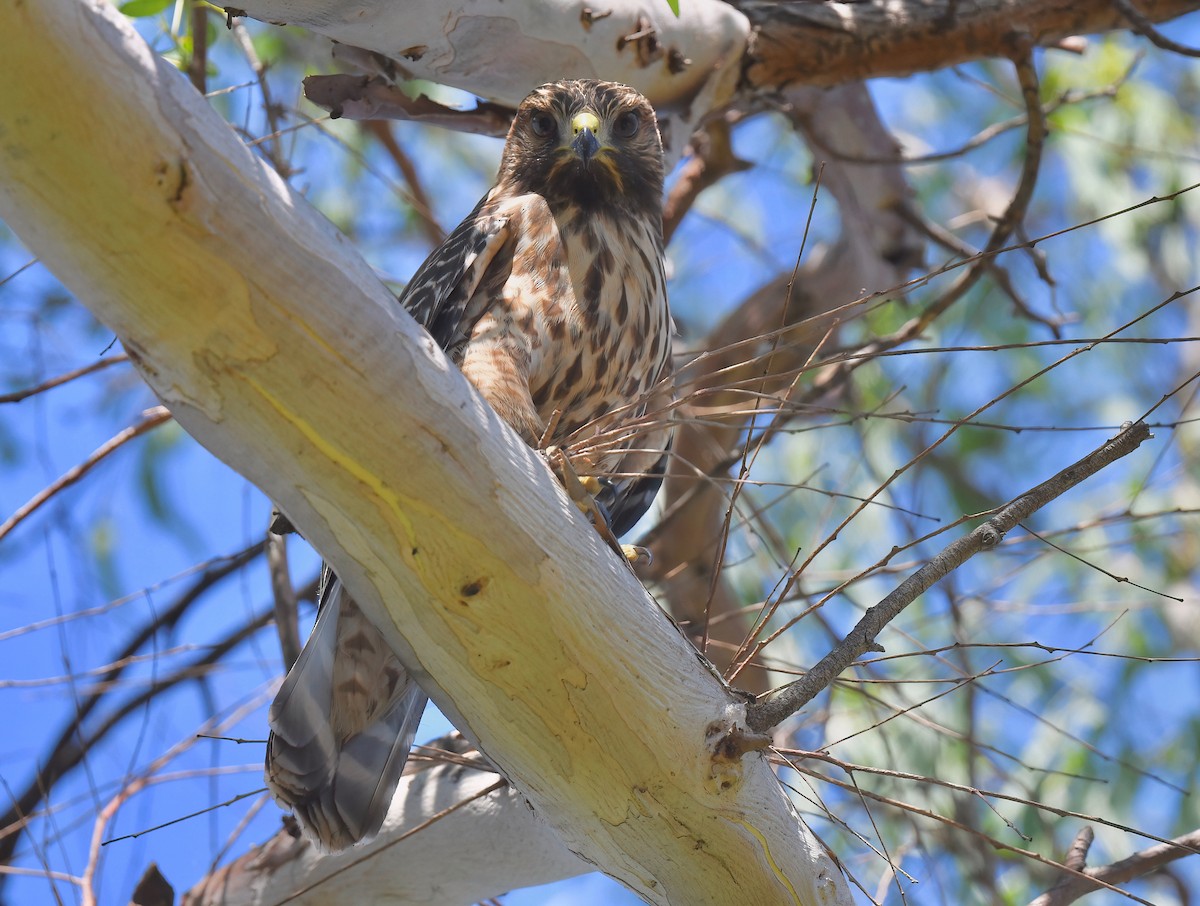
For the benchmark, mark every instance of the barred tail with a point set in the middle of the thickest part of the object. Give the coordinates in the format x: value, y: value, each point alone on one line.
x: 342, y: 725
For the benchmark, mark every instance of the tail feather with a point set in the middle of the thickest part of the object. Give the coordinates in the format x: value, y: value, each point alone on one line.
x: 625, y: 501
x: 342, y: 725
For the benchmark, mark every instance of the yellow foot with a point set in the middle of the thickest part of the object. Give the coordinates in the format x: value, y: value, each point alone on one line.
x: 582, y: 492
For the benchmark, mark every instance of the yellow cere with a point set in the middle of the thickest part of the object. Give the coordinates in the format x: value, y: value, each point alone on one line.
x: 585, y: 120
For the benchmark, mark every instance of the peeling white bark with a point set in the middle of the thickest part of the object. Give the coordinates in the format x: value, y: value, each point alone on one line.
x: 493, y: 843
x: 276, y: 347
x: 499, y: 49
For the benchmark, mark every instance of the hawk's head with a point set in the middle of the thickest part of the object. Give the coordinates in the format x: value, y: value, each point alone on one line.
x: 586, y: 143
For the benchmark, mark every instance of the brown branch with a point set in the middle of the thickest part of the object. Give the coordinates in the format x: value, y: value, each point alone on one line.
x: 949, y: 822
x: 149, y: 776
x: 372, y: 97
x: 999, y: 274
x: 829, y: 44
x: 382, y: 130
x: 712, y: 158
x: 76, y: 747
x: 273, y: 150
x: 287, y: 624
x: 771, y: 711
x: 1071, y: 888
x: 794, y: 757
x: 17, y: 395
x: 835, y: 378
x: 1022, y: 54
x: 1144, y: 26
x: 197, y: 67
x: 154, y: 418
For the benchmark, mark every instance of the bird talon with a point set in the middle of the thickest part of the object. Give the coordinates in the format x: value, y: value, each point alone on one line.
x: 637, y: 555
x: 582, y: 491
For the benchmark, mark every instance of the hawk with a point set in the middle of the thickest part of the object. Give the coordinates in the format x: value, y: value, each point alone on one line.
x: 551, y: 298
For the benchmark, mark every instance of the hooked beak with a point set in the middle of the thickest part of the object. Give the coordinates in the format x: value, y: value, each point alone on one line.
x: 585, y: 125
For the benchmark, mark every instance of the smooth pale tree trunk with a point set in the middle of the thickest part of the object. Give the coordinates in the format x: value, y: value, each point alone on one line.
x: 277, y: 348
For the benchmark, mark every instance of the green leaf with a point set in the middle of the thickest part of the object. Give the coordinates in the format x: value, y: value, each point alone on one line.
x: 137, y: 9
x: 674, y: 4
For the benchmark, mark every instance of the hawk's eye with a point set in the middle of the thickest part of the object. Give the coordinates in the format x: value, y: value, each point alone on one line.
x: 626, y: 125
x: 542, y: 124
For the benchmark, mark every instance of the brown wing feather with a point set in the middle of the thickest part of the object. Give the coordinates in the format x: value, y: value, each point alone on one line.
x: 441, y: 290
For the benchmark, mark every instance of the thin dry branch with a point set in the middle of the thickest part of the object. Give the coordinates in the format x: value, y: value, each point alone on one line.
x: 149, y: 776
x: 1144, y: 26
x: 17, y: 395
x: 287, y: 625
x: 372, y: 97
x: 875, y: 249
x: 795, y: 757
x: 197, y: 66
x: 964, y: 829
x: 1083, y: 881
x: 712, y: 158
x: 154, y: 418
x: 419, y: 198
x: 272, y: 148
x: 76, y: 746
x: 1035, y: 140
x: 771, y: 711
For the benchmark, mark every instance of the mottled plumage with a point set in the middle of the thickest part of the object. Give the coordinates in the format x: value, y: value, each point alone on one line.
x: 551, y: 298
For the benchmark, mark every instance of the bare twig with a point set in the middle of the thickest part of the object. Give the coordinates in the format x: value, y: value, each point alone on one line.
x: 796, y: 757
x: 958, y: 826
x: 1035, y: 141
x: 197, y: 68
x: 1000, y: 275
x: 17, y: 395
x: 772, y: 710
x: 369, y: 97
x: 1074, y: 886
x: 147, y: 778
x: 1144, y: 26
x: 421, y: 205
x: 287, y: 623
x: 874, y: 248
x: 154, y: 418
x: 712, y: 158
x: 272, y: 151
